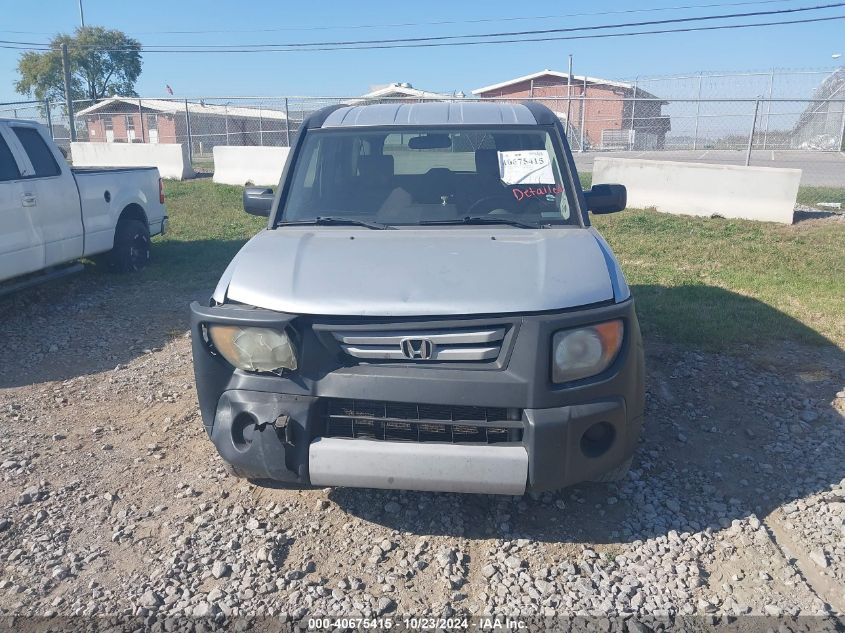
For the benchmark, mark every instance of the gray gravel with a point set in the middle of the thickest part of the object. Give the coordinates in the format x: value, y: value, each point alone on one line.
x: 113, y: 501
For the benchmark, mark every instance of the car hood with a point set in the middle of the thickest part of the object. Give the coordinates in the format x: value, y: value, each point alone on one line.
x: 419, y: 272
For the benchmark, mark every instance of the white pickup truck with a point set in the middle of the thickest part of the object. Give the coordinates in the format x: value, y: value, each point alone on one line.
x: 52, y: 215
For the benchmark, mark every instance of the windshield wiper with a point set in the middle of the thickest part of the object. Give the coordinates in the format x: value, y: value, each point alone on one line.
x: 474, y: 219
x: 335, y: 221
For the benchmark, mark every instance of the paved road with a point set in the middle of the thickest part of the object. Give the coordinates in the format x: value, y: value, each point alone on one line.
x: 821, y: 169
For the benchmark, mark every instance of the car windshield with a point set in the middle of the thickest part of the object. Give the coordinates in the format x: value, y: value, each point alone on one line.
x: 413, y: 177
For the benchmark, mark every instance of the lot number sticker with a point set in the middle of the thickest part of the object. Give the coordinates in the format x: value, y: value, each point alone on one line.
x: 531, y: 166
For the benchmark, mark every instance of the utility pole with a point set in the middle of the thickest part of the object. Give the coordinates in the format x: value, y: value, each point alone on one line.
x: 81, y: 15
x: 68, y: 97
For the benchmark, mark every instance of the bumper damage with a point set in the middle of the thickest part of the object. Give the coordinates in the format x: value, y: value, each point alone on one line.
x: 280, y: 428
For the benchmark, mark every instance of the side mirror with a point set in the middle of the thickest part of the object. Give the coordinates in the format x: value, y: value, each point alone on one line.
x: 258, y: 200
x: 606, y: 198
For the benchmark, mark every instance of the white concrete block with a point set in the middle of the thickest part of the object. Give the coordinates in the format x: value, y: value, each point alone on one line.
x: 170, y: 158
x: 730, y: 191
x: 239, y: 165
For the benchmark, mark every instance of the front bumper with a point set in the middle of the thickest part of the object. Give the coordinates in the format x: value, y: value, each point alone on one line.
x: 272, y: 427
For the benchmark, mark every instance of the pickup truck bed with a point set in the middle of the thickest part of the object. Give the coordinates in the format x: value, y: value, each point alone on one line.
x: 52, y: 214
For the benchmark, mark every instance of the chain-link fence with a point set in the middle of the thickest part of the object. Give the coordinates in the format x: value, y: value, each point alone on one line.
x: 51, y: 114
x: 594, y: 123
x: 772, y: 110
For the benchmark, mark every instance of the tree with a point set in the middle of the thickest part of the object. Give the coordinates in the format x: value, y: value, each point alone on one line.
x: 103, y: 63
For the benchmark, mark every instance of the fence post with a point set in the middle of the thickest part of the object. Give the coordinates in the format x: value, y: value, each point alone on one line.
x: 188, y: 130
x: 68, y: 98
x: 227, y: 123
x: 633, y: 134
x: 768, y: 107
x: 260, y: 128
x: 287, y: 122
x: 842, y: 130
x: 697, y: 113
x: 751, y: 134
x: 569, y: 98
x: 141, y: 119
x: 49, y: 117
x: 583, y: 114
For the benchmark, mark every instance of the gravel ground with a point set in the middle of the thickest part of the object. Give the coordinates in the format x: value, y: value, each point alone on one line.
x: 113, y: 502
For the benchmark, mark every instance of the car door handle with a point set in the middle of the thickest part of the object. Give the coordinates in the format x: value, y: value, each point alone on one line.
x: 28, y: 199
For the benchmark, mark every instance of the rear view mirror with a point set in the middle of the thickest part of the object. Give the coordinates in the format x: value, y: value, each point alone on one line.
x: 430, y: 141
x: 258, y: 200
x: 606, y: 198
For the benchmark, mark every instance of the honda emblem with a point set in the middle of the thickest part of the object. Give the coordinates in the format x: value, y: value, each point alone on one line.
x: 417, y: 348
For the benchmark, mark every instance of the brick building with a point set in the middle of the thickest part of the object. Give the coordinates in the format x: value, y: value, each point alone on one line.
x: 131, y: 120
x: 611, y: 117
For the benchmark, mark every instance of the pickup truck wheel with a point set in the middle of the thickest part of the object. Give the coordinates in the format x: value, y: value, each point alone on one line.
x: 131, y: 250
x: 617, y: 474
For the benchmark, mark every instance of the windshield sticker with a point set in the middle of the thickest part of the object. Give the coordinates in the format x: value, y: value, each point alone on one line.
x: 530, y: 166
x: 549, y: 191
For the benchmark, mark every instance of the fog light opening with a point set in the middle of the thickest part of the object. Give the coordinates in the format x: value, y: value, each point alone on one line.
x: 243, y: 430
x: 598, y: 439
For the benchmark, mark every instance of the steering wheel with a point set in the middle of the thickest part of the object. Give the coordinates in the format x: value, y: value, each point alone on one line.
x: 491, y: 200
x: 527, y: 206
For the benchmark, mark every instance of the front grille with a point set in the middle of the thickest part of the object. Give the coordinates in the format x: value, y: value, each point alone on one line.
x: 409, y: 422
x: 477, y: 344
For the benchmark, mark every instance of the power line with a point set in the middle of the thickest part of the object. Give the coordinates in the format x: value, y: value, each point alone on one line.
x: 452, y: 22
x: 511, y: 41
x: 437, y: 22
x: 501, y: 34
x: 415, y: 43
x: 26, y: 48
x: 442, y: 38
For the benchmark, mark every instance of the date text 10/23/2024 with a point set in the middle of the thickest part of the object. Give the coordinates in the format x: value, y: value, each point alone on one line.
x: 483, y: 623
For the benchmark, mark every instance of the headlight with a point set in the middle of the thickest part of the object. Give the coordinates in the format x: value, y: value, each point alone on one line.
x: 586, y: 351
x: 254, y: 348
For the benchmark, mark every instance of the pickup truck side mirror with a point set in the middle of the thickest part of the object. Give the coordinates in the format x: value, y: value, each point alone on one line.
x: 606, y: 198
x: 258, y: 200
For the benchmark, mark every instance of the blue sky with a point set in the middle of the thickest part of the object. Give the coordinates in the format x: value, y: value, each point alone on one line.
x: 440, y: 69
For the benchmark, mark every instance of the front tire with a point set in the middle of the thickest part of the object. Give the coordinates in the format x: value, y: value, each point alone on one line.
x: 132, y: 247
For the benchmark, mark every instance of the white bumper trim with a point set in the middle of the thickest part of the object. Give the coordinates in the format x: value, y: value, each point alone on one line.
x: 418, y: 466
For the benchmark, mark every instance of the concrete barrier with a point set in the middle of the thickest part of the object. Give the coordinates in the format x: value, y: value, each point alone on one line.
x: 239, y: 165
x: 729, y: 191
x: 170, y: 158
